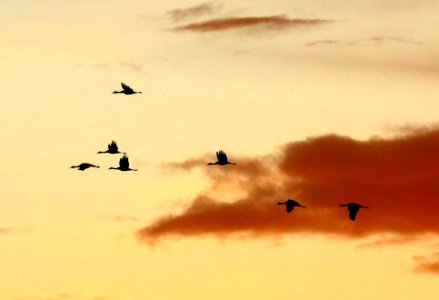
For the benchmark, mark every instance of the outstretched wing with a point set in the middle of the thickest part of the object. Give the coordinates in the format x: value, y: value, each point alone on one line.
x: 222, y: 157
x: 127, y: 88
x: 124, y: 163
x: 113, y: 147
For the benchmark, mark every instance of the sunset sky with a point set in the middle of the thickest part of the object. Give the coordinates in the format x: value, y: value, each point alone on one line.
x: 325, y: 102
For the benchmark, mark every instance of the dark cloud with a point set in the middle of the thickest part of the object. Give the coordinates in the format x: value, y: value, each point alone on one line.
x: 182, y: 14
x: 396, y: 177
x: 261, y: 23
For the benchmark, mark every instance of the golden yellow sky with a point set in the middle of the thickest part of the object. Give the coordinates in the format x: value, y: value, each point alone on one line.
x: 243, y: 76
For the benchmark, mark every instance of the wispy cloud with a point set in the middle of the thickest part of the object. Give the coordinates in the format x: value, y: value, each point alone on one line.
x: 66, y: 296
x: 182, y: 14
x: 123, y: 218
x: 379, y: 40
x: 279, y: 22
x: 383, y: 241
x: 138, y: 68
x: 322, y: 42
x: 5, y: 230
x: 186, y: 165
x: 396, y: 177
x: 375, y: 41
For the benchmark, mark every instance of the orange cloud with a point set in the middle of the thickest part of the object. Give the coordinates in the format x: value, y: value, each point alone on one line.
x: 427, y: 264
x: 270, y: 22
x: 5, y: 230
x: 397, y: 178
x: 182, y: 14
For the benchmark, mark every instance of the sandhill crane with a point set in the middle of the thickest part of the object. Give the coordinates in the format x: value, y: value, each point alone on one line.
x: 222, y: 159
x: 124, y: 165
x: 84, y: 166
x: 112, y: 149
x: 126, y: 90
x: 290, y: 204
x: 353, y: 209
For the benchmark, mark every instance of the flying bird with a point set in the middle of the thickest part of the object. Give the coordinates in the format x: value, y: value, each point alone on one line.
x: 124, y: 165
x: 84, y: 166
x: 353, y: 209
x: 222, y: 159
x: 112, y: 149
x: 126, y: 90
x: 290, y: 204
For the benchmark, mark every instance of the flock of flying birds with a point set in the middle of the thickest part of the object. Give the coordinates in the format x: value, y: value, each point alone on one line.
x: 353, y: 208
x: 222, y: 160
x: 124, y: 164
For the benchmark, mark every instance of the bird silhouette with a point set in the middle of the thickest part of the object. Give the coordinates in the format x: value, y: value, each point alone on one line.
x: 290, y: 204
x: 353, y: 209
x: 222, y: 159
x: 84, y: 166
x: 112, y: 149
x: 126, y: 90
x: 124, y: 165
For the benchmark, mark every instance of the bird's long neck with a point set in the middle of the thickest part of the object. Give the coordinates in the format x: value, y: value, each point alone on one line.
x: 281, y: 203
x: 117, y: 92
x: 211, y: 163
x: 99, y: 152
x: 112, y: 168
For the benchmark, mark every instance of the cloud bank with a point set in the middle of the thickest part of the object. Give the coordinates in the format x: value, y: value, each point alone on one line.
x: 397, y: 178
